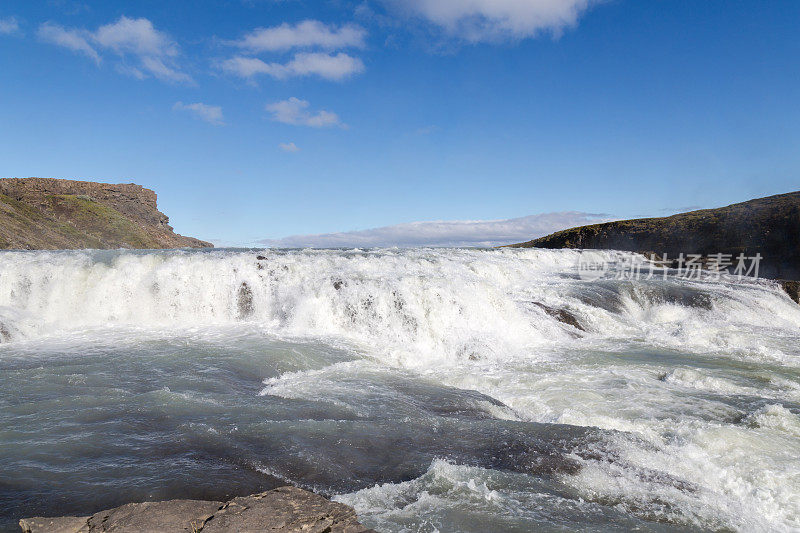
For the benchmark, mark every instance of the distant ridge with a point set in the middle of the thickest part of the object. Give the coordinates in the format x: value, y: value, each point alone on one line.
x: 49, y: 213
x: 769, y: 226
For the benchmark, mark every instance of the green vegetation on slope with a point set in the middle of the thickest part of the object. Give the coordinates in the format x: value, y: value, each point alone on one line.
x: 98, y: 221
x: 67, y: 221
x: 23, y: 226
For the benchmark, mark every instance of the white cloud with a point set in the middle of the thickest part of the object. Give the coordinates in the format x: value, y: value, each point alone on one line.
x: 74, y: 39
x: 309, y: 34
x: 8, y: 26
x: 135, y: 36
x: 130, y: 39
x: 159, y: 69
x: 306, y: 34
x: 331, y: 67
x: 488, y: 20
x: 289, y: 147
x: 444, y: 233
x: 247, y: 67
x: 296, y: 112
x: 208, y: 113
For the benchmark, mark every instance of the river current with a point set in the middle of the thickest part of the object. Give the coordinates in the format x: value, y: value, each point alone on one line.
x: 430, y: 389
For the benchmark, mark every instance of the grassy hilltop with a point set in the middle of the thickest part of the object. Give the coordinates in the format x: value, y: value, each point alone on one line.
x: 46, y: 214
x: 769, y: 226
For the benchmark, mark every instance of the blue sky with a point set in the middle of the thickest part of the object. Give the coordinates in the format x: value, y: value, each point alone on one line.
x: 258, y: 119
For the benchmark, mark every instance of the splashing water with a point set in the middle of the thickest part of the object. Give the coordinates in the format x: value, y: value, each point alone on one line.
x: 432, y: 389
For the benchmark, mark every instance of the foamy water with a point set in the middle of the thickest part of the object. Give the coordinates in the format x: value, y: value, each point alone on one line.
x: 430, y: 389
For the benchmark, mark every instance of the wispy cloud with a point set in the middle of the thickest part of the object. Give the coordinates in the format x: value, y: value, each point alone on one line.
x: 331, y: 67
x: 327, y: 66
x: 305, y: 34
x: 492, y: 20
x: 314, y: 43
x: 445, y: 233
x: 427, y: 130
x: 208, y: 113
x: 8, y: 26
x: 289, y: 147
x: 296, y: 112
x: 247, y: 67
x: 152, y: 52
x: 75, y: 40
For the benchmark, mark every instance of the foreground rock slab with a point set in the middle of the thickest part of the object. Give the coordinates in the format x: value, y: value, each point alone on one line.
x: 280, y: 510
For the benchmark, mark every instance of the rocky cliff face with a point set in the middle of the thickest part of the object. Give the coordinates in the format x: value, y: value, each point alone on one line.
x: 769, y: 226
x: 47, y: 213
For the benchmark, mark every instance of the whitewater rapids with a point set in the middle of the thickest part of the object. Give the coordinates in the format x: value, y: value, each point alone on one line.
x: 431, y: 389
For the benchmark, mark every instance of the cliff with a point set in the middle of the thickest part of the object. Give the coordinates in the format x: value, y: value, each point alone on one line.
x: 47, y: 214
x: 769, y: 226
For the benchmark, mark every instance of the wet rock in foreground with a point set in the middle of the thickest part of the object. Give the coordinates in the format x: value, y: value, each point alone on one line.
x: 281, y: 510
x: 792, y: 288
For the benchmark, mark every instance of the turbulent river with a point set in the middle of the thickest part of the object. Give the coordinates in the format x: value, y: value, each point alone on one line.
x: 430, y: 389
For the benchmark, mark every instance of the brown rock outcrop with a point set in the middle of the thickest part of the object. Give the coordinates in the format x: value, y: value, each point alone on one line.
x: 792, y: 288
x: 283, y: 509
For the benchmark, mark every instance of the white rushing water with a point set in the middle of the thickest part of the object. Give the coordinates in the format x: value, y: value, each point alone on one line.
x: 695, y: 385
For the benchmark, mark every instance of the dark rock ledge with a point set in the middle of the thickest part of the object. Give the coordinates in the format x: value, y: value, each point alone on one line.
x: 792, y: 288
x: 280, y: 510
